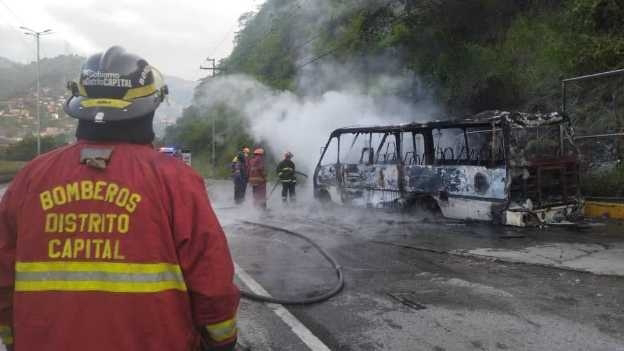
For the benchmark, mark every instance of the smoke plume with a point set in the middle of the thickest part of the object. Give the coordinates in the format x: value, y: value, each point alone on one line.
x: 301, y: 123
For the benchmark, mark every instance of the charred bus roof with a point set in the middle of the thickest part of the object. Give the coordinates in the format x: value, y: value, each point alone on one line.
x: 487, y: 118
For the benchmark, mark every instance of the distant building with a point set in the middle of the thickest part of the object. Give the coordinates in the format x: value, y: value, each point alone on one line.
x: 52, y: 131
x: 7, y: 141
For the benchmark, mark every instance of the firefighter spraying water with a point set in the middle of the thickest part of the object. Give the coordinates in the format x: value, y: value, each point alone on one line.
x: 288, y: 178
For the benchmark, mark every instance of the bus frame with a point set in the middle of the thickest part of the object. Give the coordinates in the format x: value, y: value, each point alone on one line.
x: 512, y: 168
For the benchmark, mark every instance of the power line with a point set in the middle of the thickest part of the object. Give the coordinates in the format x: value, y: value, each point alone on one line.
x: 341, y: 45
x: 223, y: 39
x: 18, y: 24
x: 5, y: 17
x: 289, y: 10
x: 18, y: 18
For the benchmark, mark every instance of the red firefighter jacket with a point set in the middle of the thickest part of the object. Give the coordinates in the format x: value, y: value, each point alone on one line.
x: 257, y: 174
x: 130, y: 257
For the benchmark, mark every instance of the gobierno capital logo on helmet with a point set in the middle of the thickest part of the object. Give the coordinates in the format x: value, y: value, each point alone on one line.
x: 106, y: 79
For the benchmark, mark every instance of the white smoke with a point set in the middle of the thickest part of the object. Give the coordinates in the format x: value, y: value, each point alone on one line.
x: 284, y: 121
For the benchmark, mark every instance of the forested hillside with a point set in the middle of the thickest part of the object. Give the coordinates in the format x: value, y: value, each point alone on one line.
x: 475, y: 55
x: 19, y: 79
x: 463, y: 56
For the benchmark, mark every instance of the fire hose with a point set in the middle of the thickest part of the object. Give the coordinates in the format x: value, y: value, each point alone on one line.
x: 303, y: 301
x: 278, y: 183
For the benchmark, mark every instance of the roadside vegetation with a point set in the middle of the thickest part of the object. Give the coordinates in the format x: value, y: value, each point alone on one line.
x: 26, y: 149
x: 608, y: 184
x: 9, y: 168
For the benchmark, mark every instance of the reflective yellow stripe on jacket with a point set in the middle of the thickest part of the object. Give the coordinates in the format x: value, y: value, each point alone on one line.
x: 6, y: 334
x: 222, y: 331
x: 98, y: 276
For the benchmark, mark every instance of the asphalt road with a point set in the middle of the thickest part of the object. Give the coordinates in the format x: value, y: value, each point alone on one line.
x: 406, y: 290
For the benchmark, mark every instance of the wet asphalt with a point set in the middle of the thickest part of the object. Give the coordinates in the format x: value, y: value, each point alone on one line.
x: 405, y: 291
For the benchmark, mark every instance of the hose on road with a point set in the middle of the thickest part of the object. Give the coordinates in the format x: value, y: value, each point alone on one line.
x: 303, y: 301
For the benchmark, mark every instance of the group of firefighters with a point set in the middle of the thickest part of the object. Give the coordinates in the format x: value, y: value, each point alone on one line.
x: 252, y: 170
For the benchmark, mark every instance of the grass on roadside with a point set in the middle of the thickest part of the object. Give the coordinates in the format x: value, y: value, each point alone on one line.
x: 608, y: 183
x: 10, y: 167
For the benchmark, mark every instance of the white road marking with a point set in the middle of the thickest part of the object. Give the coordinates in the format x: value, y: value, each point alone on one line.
x: 306, y: 336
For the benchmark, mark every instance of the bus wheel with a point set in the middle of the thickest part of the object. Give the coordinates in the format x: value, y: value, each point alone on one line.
x: 323, y: 196
x: 429, y: 204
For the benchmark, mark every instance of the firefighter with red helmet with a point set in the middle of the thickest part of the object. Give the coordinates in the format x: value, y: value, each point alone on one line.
x: 107, y: 244
x: 257, y: 178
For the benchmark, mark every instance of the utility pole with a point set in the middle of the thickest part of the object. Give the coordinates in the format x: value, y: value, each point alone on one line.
x: 37, y: 35
x: 213, y: 68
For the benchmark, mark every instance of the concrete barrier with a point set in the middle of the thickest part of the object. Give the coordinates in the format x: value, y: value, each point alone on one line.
x: 599, y: 209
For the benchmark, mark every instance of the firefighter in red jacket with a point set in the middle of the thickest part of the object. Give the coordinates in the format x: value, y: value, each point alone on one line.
x: 257, y: 178
x: 107, y: 244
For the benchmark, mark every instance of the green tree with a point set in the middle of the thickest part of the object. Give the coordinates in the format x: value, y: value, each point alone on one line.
x: 26, y: 149
x: 194, y: 130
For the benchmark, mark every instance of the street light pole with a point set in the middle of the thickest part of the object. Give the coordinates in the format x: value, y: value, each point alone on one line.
x: 37, y: 35
x: 214, y: 70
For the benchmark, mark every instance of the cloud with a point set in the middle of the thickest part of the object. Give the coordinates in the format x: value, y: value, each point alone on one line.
x: 174, y: 36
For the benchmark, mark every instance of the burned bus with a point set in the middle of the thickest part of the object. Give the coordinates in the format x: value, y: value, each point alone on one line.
x: 507, y: 167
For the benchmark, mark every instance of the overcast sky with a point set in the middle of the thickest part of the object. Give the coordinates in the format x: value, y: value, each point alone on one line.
x: 174, y: 36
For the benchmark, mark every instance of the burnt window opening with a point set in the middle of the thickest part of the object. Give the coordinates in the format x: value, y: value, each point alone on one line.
x: 478, y: 146
x: 448, y: 144
x: 387, y: 151
x: 413, y: 149
x: 352, y: 147
x: 367, y: 156
x: 330, y: 155
x: 485, y: 146
x: 536, y: 143
x: 369, y: 148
